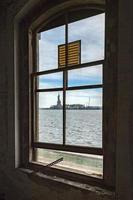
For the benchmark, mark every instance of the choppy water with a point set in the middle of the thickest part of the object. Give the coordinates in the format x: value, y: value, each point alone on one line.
x: 83, y: 127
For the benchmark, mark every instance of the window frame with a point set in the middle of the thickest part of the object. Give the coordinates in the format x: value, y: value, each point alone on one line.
x: 34, y: 75
x: 109, y: 80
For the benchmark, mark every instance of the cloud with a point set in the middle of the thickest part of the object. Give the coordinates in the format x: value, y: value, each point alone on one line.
x: 90, y: 29
x: 48, y: 57
x: 48, y: 47
x: 85, y: 76
x: 93, y: 97
x: 51, y: 80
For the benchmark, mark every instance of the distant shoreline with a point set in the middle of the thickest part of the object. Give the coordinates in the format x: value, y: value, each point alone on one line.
x: 90, y: 108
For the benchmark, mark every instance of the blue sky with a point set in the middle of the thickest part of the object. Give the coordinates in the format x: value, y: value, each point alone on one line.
x: 91, y: 33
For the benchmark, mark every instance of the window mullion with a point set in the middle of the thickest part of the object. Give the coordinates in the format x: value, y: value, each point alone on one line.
x: 65, y: 82
x: 64, y: 107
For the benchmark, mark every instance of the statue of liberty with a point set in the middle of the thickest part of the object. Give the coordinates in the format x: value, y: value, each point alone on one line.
x: 59, y: 102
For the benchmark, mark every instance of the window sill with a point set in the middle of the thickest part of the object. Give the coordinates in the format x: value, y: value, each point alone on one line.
x: 43, y: 179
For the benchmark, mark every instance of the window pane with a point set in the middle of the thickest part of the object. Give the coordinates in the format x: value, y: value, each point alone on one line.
x: 75, y: 162
x: 54, y: 80
x: 85, y: 76
x: 84, y: 118
x: 48, y: 47
x: 50, y: 117
x: 91, y: 33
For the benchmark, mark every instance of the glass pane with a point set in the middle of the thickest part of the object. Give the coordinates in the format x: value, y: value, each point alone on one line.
x: 91, y: 32
x: 48, y: 47
x: 85, y: 76
x: 50, y: 117
x: 54, y: 80
x: 84, y: 118
x: 75, y: 162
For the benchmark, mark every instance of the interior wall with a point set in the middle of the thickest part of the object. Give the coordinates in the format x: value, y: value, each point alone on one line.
x: 124, y: 160
x: 17, y: 185
x: 3, y: 96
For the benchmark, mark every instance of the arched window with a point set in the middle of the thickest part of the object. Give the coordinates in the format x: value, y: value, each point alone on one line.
x: 67, y: 94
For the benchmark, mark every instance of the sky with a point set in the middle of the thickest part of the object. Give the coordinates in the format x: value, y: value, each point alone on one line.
x: 91, y: 33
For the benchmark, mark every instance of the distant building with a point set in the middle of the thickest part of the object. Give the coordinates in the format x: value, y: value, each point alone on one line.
x: 73, y: 106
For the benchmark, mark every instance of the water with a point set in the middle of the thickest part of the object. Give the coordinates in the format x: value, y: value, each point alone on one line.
x: 83, y: 127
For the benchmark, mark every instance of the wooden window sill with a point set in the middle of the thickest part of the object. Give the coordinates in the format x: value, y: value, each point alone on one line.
x: 46, y: 180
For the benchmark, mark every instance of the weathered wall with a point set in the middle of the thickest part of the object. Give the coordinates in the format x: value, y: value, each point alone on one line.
x: 3, y: 95
x: 16, y: 184
x: 124, y: 179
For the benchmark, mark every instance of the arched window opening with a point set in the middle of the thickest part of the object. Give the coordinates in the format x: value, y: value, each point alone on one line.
x: 67, y: 93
